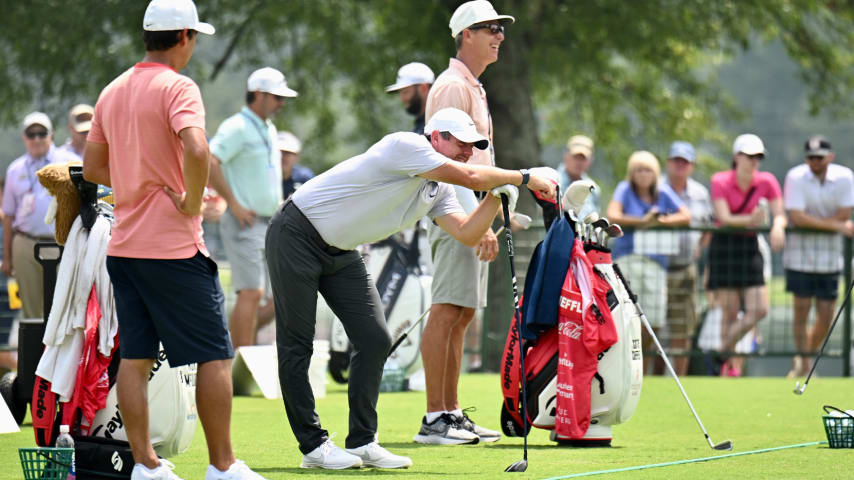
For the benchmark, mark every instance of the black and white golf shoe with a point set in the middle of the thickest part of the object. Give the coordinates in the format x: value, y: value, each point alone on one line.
x: 445, y: 430
x: 486, y: 435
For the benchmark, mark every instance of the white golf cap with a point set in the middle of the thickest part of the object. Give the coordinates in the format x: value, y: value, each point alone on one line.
x: 288, y: 142
x: 164, y: 15
x: 269, y: 80
x: 37, y: 118
x: 473, y: 12
x: 748, y: 144
x: 80, y: 117
x: 457, y: 123
x: 412, y: 74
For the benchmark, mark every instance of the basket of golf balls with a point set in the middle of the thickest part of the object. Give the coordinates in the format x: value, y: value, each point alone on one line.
x: 839, y: 426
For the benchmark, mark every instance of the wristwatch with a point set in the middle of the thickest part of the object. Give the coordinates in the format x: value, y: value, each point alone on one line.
x: 525, y: 176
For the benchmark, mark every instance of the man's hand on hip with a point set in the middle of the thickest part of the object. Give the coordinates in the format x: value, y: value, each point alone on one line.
x: 180, y: 202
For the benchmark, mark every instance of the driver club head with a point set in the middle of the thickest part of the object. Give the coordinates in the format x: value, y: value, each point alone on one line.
x: 519, y: 466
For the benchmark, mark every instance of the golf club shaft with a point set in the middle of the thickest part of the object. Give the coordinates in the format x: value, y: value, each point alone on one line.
x: 518, y: 319
x: 406, y: 333
x: 827, y: 337
x: 663, y: 354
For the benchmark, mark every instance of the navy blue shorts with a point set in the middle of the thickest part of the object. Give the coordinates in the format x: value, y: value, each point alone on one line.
x: 824, y: 286
x: 177, y: 302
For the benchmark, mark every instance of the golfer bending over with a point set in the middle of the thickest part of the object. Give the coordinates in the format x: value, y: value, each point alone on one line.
x: 310, y: 248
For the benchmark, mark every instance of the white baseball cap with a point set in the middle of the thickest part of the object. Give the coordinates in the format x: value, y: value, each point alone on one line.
x: 288, y: 142
x: 412, y: 74
x: 164, y: 15
x: 472, y: 12
x: 457, y: 123
x: 37, y: 118
x: 748, y: 144
x: 269, y: 80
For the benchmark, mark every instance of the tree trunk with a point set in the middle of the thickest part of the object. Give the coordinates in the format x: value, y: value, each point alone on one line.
x: 517, y: 146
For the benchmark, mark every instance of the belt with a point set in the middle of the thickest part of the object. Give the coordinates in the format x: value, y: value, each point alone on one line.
x: 33, y: 237
x: 315, y: 235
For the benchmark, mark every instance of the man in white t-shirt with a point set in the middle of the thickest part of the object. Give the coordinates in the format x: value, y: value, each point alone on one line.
x: 818, y: 194
x: 311, y: 248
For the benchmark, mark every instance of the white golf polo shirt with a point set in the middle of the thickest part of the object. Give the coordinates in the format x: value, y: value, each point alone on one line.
x: 815, y: 252
x: 370, y: 196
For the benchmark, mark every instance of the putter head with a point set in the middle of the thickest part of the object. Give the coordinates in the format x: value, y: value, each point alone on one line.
x: 725, y: 445
x: 519, y: 466
x: 799, y: 389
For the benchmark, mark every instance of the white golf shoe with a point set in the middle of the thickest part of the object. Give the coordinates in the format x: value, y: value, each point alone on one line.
x: 331, y: 457
x: 373, y: 455
x: 237, y: 471
x: 162, y: 472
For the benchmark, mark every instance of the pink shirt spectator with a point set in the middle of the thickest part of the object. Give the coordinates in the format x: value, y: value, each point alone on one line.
x: 457, y: 87
x: 139, y: 116
x: 725, y: 185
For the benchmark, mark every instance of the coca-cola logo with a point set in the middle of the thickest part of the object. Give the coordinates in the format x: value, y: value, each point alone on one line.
x: 570, y: 329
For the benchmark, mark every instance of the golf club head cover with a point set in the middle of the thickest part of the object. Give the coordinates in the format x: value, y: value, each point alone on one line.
x: 512, y: 192
x: 576, y: 194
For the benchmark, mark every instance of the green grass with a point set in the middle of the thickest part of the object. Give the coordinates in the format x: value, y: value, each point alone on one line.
x: 755, y: 413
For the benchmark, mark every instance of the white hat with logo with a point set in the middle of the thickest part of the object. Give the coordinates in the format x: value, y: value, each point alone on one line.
x: 412, y: 74
x: 459, y: 124
x: 269, y: 80
x: 165, y: 15
x: 473, y: 12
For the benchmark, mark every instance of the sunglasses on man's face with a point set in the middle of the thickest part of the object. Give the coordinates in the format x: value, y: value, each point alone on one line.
x: 815, y: 158
x: 493, y: 28
x: 36, y: 134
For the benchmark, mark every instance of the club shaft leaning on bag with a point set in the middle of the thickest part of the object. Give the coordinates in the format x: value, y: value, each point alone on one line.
x: 406, y: 333
x: 663, y: 354
x: 827, y: 337
x: 517, y: 317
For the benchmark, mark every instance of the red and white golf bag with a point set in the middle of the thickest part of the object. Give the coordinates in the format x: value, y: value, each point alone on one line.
x: 615, y: 385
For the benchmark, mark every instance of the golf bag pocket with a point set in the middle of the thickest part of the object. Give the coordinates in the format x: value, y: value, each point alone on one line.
x: 99, y: 458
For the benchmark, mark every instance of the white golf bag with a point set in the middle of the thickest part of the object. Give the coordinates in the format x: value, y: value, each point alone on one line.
x: 405, y: 293
x: 171, y: 404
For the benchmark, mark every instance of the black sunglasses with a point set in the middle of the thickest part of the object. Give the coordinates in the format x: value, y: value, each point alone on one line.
x: 758, y: 156
x: 495, y: 29
x: 815, y: 158
x: 37, y: 134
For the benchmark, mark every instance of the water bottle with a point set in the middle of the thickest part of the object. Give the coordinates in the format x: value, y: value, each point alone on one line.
x: 64, y: 440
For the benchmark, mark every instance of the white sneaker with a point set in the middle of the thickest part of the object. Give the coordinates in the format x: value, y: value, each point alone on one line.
x: 330, y: 456
x: 162, y: 472
x: 237, y: 471
x: 373, y: 455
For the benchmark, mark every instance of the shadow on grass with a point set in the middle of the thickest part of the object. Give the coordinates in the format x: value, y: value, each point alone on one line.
x: 507, y: 446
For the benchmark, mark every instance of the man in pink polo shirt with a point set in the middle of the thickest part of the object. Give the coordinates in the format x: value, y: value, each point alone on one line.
x: 148, y: 142
x: 460, y: 272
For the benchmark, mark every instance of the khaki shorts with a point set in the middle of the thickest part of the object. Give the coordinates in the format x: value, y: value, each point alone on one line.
x: 649, y: 282
x: 244, y: 248
x: 459, y: 278
x: 682, y: 302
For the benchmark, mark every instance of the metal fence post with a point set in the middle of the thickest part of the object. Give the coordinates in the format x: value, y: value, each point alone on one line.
x: 846, y: 324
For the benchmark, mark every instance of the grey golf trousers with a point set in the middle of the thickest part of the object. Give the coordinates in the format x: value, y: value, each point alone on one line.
x: 301, y: 264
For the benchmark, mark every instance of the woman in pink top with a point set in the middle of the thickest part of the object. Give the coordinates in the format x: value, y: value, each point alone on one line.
x: 735, y: 263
